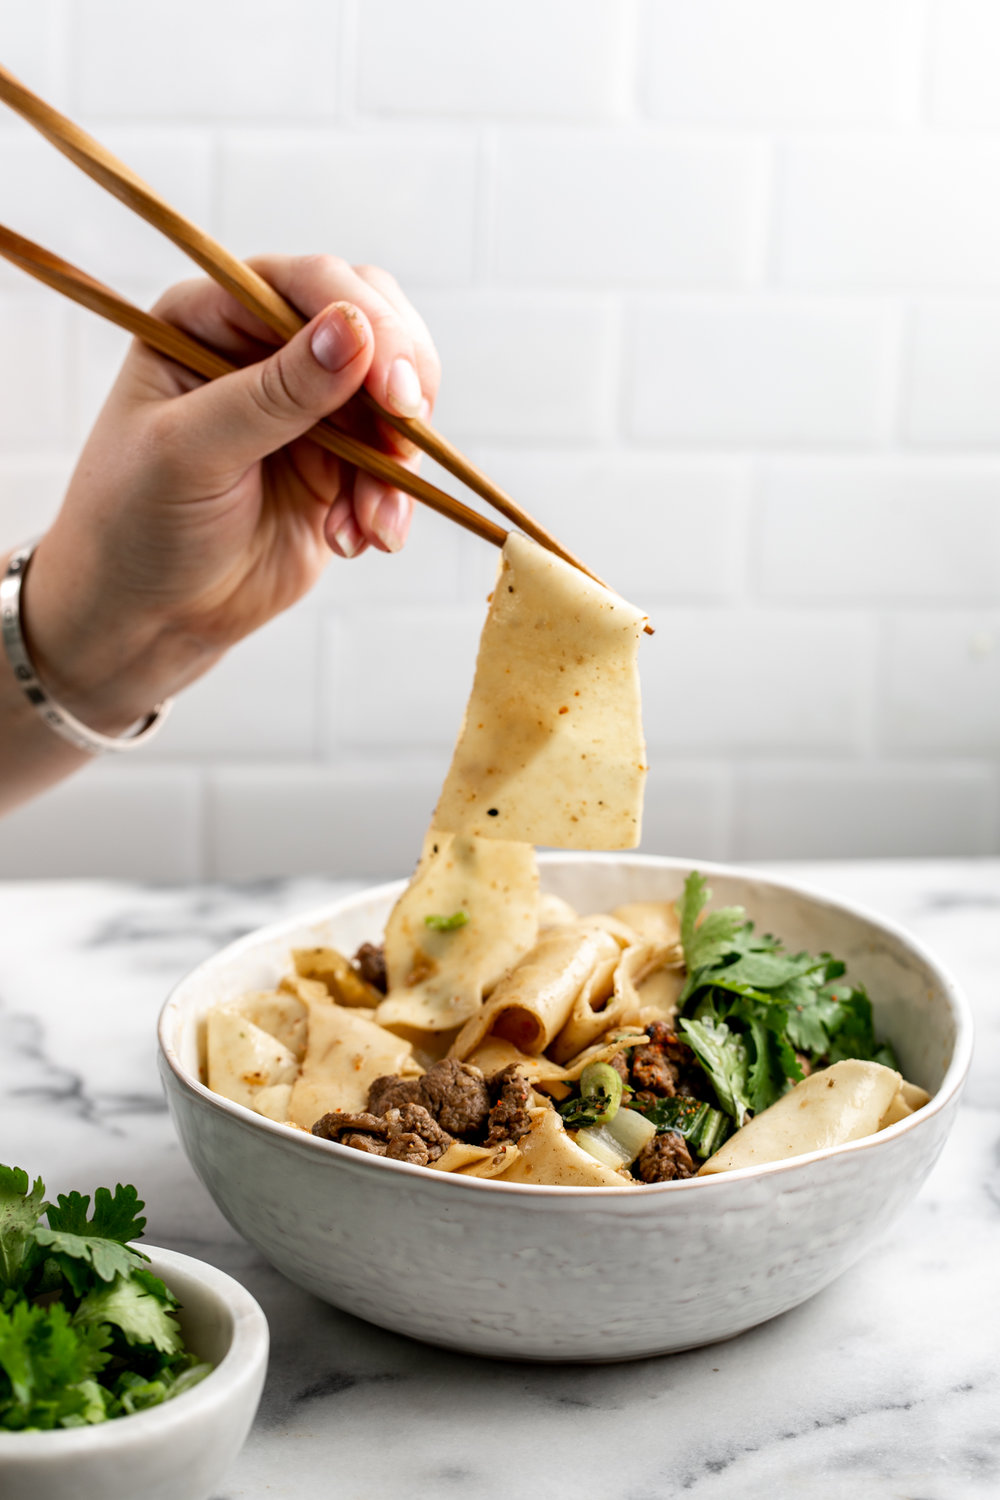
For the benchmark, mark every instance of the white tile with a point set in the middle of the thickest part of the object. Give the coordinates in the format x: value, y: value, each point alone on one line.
x: 34, y: 390
x: 954, y: 375
x: 611, y: 209
x: 728, y: 680
x: 134, y: 822
x: 31, y: 492
x: 399, y: 679
x: 963, y: 53
x: 129, y: 62
x: 564, y: 60
x: 403, y: 199
x: 886, y: 213
x: 48, y: 199
x: 31, y: 46
x: 942, y: 682
x: 523, y: 367
x: 658, y: 528
x: 302, y: 819
x: 878, y: 530
x: 261, y: 701
x: 845, y: 812
x: 757, y: 372
x: 797, y: 61
x: 686, y: 811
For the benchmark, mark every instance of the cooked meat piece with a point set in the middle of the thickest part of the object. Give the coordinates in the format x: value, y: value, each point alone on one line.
x: 664, y: 1159
x: 408, y: 1133
x: 409, y: 1147
x: 413, y: 1122
x: 333, y: 1126
x: 456, y: 1095
x: 453, y: 1092
x: 665, y: 1066
x: 510, y: 1092
x: 370, y: 964
x: 620, y: 1064
x: 392, y: 1092
x: 369, y: 1143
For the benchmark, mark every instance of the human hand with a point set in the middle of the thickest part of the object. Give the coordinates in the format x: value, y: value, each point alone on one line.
x: 199, y: 510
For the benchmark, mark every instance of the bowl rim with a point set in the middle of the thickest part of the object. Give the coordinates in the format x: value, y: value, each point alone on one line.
x: 248, y: 1344
x: 950, y: 1087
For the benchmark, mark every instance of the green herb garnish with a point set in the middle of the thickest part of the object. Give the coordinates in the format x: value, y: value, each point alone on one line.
x: 599, y: 1099
x: 86, y: 1330
x: 447, y: 924
x: 703, y: 1127
x: 752, y: 1013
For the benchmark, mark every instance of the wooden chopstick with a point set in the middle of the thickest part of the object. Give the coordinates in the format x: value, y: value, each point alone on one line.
x: 250, y: 289
x: 180, y: 346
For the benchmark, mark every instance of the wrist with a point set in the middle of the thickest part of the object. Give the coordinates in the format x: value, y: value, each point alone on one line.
x: 107, y: 665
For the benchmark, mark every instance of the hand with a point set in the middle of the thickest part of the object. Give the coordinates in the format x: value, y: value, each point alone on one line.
x: 198, y: 510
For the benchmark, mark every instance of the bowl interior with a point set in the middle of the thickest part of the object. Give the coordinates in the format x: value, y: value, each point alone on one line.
x: 917, y: 1007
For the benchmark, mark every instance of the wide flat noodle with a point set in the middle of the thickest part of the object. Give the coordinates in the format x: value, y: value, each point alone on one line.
x: 345, y: 1054
x: 337, y: 975
x: 243, y: 1059
x: 905, y: 1102
x: 476, y: 1161
x: 551, y: 749
x: 280, y: 1014
x: 438, y: 979
x: 829, y: 1108
x: 653, y: 919
x: 551, y: 1158
x: 593, y: 1014
x: 494, y: 1054
x: 531, y: 1004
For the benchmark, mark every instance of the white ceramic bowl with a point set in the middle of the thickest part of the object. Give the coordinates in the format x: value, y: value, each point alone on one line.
x: 177, y: 1451
x: 522, y: 1271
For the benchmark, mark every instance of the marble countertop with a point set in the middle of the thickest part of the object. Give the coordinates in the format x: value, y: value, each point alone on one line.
x: 885, y: 1385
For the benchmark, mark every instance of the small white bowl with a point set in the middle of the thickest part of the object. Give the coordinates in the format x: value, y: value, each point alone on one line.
x: 180, y: 1450
x: 530, y: 1272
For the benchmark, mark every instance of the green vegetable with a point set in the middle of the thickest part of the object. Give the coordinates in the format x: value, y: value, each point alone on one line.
x: 618, y: 1144
x: 447, y: 924
x: 601, y: 1090
x: 703, y: 1127
x: 86, y: 1329
x: 752, y: 1012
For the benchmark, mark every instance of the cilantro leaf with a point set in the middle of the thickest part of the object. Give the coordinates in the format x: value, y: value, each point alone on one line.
x: 49, y: 1367
x: 709, y: 940
x: 86, y: 1328
x: 723, y: 1055
x: 115, y: 1217
x: 20, y: 1210
x: 98, y: 1243
x: 129, y: 1306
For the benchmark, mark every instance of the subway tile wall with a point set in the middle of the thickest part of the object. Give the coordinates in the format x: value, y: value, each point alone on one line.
x: 717, y: 291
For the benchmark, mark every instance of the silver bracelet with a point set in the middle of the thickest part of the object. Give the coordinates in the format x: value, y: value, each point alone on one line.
x: 56, y: 717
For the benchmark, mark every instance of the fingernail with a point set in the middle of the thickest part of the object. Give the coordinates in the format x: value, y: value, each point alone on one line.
x: 388, y: 520
x: 338, y: 337
x: 402, y: 389
x: 348, y: 537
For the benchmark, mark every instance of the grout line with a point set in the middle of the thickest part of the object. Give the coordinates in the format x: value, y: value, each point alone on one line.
x: 486, y: 208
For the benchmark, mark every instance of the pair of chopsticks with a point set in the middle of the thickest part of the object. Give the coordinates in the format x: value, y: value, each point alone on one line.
x: 260, y: 298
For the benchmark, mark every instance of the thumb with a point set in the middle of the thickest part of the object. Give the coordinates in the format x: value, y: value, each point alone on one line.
x: 244, y: 416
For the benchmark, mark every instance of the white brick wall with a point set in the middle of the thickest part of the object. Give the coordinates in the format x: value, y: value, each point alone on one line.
x: 717, y: 291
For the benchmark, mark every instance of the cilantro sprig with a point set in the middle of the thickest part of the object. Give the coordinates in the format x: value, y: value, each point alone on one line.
x: 754, y: 1014
x: 87, y: 1331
